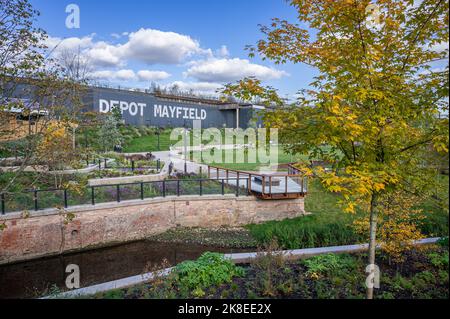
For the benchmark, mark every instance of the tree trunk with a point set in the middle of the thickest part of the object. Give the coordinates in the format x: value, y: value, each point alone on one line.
x: 373, y: 235
x: 74, y: 145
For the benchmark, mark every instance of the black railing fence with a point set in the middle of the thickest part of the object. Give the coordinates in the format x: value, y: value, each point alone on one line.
x: 37, y: 199
x: 103, y: 164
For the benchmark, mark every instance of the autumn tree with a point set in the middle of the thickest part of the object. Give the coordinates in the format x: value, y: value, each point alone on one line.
x: 32, y: 85
x: 55, y: 147
x: 376, y: 101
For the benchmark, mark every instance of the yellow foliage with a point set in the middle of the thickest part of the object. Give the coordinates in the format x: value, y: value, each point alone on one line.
x: 397, y: 224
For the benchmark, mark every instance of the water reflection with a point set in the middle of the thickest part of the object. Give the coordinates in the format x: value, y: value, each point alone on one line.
x: 30, y: 279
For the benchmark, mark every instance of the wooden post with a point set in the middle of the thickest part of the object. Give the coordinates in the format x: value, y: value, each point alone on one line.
x: 263, y: 184
x: 286, y: 184
x: 270, y: 184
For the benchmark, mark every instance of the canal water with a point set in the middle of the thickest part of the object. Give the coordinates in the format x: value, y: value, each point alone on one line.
x: 34, y: 278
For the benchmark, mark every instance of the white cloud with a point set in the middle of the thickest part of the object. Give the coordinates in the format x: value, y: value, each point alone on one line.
x: 223, y: 52
x: 145, y: 45
x: 130, y: 75
x: 146, y: 75
x: 121, y: 75
x: 154, y: 46
x: 104, y: 55
x: 207, y: 88
x: 439, y: 47
x: 72, y: 43
x: 226, y: 70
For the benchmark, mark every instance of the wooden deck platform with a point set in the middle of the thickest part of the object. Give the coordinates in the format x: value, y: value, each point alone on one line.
x: 265, y: 186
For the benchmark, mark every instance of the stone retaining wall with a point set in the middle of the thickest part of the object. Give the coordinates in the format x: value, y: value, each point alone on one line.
x: 53, y: 232
x: 162, y: 175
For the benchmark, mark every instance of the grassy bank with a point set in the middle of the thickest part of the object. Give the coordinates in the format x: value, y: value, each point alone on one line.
x: 329, y: 225
x: 147, y: 142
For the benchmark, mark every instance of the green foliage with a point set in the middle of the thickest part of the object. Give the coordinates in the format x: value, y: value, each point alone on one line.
x: 146, y: 142
x: 109, y: 133
x: 14, y: 148
x: 328, y: 264
x: 439, y: 259
x: 443, y: 242
x: 208, y: 270
x: 329, y: 225
x: 317, y: 230
x: 114, y: 294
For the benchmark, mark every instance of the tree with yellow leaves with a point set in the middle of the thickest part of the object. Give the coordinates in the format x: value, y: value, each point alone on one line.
x: 375, y: 103
x: 55, y: 149
x: 397, y: 223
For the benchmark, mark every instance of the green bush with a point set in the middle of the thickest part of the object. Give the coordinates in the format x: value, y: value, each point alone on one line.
x: 439, y: 259
x: 317, y: 230
x: 208, y: 270
x: 443, y: 242
x: 329, y: 264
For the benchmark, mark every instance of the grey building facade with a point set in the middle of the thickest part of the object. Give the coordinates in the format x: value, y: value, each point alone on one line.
x: 147, y: 109
x: 162, y: 110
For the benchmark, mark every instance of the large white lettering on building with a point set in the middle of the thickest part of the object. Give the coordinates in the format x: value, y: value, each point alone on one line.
x: 178, y: 112
x: 133, y: 108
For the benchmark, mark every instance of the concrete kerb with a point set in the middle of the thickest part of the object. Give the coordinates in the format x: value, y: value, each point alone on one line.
x: 111, y: 285
x: 238, y: 258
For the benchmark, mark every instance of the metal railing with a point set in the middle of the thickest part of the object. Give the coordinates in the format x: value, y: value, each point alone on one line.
x: 103, y: 164
x: 292, y: 182
x: 38, y: 199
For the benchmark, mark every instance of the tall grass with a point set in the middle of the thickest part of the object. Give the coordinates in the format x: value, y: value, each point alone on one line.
x: 328, y: 225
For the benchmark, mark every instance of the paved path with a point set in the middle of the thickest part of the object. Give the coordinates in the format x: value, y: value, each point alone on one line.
x: 178, y: 162
x: 192, y: 167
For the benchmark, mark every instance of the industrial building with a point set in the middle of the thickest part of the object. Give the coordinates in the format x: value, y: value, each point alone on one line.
x: 163, y: 110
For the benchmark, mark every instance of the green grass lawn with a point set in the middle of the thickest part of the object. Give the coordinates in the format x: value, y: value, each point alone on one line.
x: 148, y: 143
x: 248, y: 165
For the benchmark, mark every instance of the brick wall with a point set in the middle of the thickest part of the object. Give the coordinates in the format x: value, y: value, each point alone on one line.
x: 50, y: 232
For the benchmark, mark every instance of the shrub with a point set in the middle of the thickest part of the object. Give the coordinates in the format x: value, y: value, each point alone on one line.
x: 443, y: 242
x: 315, y: 230
x: 439, y: 259
x: 208, y: 270
x: 328, y: 264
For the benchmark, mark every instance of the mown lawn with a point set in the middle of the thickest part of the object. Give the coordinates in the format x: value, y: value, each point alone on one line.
x: 246, y: 164
x: 148, y: 143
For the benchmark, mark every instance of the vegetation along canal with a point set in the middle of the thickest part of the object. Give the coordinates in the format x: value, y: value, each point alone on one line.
x: 39, y: 277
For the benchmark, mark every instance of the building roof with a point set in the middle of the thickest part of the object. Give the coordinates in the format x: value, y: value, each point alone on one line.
x: 19, y: 106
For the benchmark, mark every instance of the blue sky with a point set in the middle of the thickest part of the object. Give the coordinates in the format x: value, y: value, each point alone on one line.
x: 197, y: 44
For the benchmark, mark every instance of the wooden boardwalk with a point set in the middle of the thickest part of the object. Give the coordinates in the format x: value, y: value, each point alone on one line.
x: 265, y: 186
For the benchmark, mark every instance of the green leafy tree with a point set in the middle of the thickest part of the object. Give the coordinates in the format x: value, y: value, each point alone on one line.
x: 109, y: 132
x: 375, y: 102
